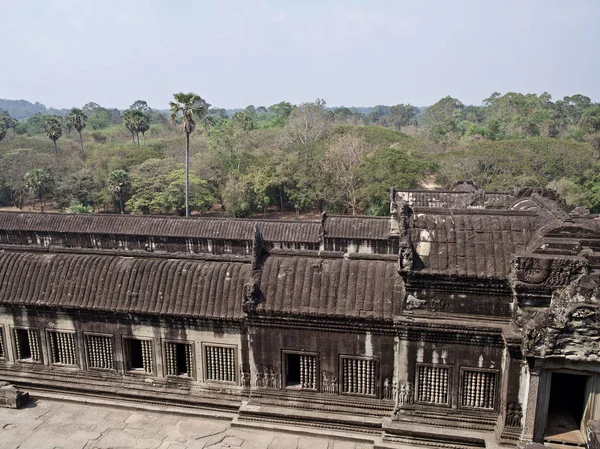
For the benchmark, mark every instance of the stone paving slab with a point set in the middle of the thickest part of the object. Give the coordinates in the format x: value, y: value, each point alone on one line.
x: 50, y: 424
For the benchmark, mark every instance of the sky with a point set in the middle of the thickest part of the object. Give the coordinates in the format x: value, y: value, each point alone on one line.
x: 233, y: 53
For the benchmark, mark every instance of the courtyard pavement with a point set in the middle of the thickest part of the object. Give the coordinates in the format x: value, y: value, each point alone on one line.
x: 53, y: 424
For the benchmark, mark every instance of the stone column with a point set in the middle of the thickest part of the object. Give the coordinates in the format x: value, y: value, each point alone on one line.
x: 530, y: 411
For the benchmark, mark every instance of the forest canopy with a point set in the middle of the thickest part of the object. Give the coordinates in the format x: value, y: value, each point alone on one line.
x: 292, y: 158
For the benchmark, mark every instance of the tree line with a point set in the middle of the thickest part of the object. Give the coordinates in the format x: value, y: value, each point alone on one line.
x: 295, y: 157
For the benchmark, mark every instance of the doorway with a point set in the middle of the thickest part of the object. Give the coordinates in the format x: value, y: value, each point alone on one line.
x: 567, y: 409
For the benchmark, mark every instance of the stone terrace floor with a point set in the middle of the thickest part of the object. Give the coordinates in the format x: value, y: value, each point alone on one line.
x: 54, y: 424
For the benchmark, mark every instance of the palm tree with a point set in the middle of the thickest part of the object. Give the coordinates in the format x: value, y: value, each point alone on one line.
x: 53, y: 128
x: 38, y: 181
x: 192, y: 107
x: 143, y: 127
x: 119, y: 184
x: 78, y: 120
x: 130, y: 122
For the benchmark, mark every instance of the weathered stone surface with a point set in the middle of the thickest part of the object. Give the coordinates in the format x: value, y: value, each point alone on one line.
x: 593, y: 434
x: 570, y: 327
x: 11, y: 396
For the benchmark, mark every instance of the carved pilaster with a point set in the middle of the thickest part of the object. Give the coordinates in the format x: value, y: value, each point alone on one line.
x: 531, y: 405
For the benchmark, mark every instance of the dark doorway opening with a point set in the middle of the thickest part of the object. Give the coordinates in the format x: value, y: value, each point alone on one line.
x: 568, y: 399
x: 136, y: 360
x: 292, y: 370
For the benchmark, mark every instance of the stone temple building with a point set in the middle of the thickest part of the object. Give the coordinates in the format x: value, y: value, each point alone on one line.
x: 465, y: 319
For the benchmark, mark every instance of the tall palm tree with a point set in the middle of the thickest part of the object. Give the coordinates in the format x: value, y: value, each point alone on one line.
x: 53, y: 128
x: 130, y: 122
x: 78, y: 119
x: 38, y: 181
x: 119, y: 184
x: 191, y: 107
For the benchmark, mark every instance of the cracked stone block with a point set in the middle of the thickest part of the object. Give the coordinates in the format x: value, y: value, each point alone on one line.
x: 11, y: 396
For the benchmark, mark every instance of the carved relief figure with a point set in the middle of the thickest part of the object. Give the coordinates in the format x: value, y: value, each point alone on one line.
x: 514, y: 414
x: 260, y: 379
x: 245, y: 376
x: 388, y: 392
x: 251, y: 293
x: 329, y: 382
x: 405, y: 393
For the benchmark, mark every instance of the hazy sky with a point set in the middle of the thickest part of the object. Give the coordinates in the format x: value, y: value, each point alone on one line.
x: 233, y: 53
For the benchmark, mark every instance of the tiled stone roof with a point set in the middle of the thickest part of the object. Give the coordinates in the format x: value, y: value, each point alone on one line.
x: 330, y: 287
x: 124, y: 284
x: 477, y: 243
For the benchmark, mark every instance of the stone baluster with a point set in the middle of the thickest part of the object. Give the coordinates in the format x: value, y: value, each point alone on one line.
x: 17, y: 344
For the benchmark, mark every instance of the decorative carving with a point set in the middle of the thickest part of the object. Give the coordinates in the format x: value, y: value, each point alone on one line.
x: 245, y: 377
x: 406, y: 253
x: 323, y: 231
x: 260, y: 379
x: 405, y: 393
x: 251, y: 297
x: 329, y: 382
x: 388, y: 390
x: 414, y: 303
x: 269, y: 378
x: 258, y: 248
x: 514, y: 414
x: 548, y: 272
x: 570, y: 327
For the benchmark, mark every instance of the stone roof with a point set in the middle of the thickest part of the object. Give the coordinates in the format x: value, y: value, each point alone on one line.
x: 212, y: 228
x: 189, y: 288
x: 478, y: 243
x: 330, y: 287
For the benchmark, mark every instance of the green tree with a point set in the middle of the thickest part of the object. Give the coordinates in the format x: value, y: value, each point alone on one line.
x: 53, y: 128
x: 136, y: 121
x: 441, y: 119
x: 78, y: 119
x: 159, y: 186
x: 385, y: 168
x: 2, y: 132
x: 100, y: 118
x: 192, y: 107
x: 281, y: 111
x: 39, y: 182
x: 590, y: 119
x: 402, y: 115
x: 120, y: 185
x: 142, y: 106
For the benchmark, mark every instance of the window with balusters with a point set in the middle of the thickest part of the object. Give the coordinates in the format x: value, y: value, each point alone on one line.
x: 62, y: 348
x: 359, y: 376
x: 100, y: 352
x: 301, y: 371
x: 139, y: 355
x: 478, y: 389
x: 2, y: 344
x: 179, y: 359
x: 432, y: 384
x: 27, y: 345
x: 219, y: 363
